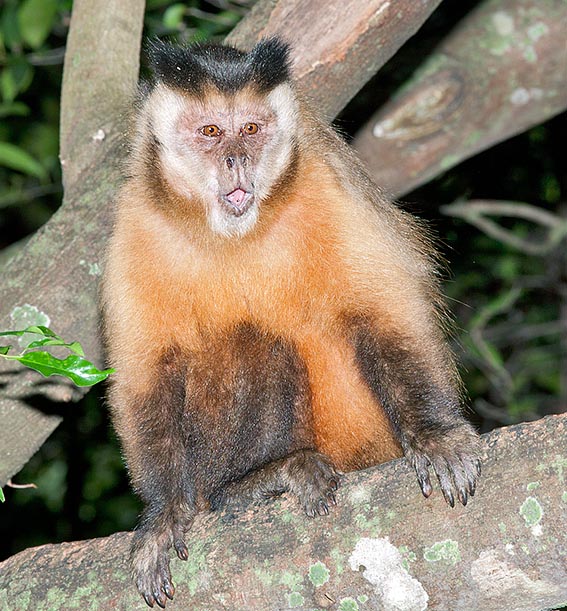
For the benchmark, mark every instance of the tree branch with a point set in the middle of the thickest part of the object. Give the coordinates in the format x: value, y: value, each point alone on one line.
x: 476, y: 212
x: 501, y: 71
x: 338, y: 45
x: 54, y: 279
x: 384, y: 547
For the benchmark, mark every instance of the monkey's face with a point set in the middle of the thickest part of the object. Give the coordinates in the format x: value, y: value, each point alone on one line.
x: 225, y: 152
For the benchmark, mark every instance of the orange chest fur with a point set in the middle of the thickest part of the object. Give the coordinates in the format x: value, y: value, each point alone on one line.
x: 281, y: 279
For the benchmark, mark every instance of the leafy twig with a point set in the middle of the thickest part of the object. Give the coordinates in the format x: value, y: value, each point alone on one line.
x: 74, y: 367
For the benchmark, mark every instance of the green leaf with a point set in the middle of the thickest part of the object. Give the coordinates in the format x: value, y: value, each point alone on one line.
x: 73, y: 346
x: 76, y: 368
x: 173, y: 16
x: 11, y: 156
x: 37, y: 329
x: 14, y: 109
x: 9, y: 25
x: 8, y: 85
x: 16, y: 77
x: 35, y: 20
x: 2, y: 499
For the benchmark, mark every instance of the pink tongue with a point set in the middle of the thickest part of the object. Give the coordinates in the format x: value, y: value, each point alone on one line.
x: 236, y: 197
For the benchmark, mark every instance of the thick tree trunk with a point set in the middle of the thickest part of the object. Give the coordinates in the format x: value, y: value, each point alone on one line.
x: 383, y: 548
x: 501, y: 71
x: 54, y: 280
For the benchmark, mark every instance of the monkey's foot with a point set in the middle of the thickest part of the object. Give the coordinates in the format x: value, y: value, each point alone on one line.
x: 312, y: 477
x: 307, y: 474
x: 150, y: 562
x: 454, y: 457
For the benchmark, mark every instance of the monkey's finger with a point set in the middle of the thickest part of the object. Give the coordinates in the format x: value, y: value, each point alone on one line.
x: 421, y: 466
x: 310, y: 511
x: 471, y: 472
x: 463, y: 496
x: 149, y: 599
x: 335, y: 483
x: 181, y: 549
x: 443, y: 472
x: 461, y: 479
x: 168, y: 588
x: 472, y: 485
x: 424, y: 483
x: 160, y: 598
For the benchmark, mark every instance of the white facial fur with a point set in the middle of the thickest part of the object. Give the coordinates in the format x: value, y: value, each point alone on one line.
x: 195, y: 165
x: 277, y: 154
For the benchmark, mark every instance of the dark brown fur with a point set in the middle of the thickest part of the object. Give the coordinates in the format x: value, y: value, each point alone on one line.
x: 254, y: 365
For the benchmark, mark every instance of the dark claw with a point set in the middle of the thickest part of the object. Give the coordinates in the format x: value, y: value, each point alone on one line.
x: 322, y: 508
x: 425, y: 485
x: 181, y: 549
x: 160, y: 599
x: 463, y: 496
x: 149, y: 600
x: 472, y: 486
x: 332, y: 498
x: 310, y: 512
x: 478, y: 466
x: 449, y: 497
x: 168, y: 589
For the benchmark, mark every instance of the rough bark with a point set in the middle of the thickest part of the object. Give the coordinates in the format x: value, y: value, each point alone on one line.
x: 501, y: 71
x: 53, y: 280
x: 384, y: 547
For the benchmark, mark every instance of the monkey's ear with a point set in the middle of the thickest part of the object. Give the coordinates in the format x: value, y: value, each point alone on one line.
x: 173, y: 65
x: 270, y: 62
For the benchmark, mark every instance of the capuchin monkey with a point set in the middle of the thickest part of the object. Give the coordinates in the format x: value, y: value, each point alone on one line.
x: 273, y: 319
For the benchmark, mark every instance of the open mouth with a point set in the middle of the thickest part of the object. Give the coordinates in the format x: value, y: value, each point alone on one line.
x: 237, y: 202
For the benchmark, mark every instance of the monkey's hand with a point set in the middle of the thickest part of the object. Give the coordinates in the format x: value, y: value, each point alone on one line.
x: 454, y: 456
x: 311, y: 476
x: 150, y: 558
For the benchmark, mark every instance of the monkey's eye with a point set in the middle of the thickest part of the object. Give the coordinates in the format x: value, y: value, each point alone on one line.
x: 249, y: 129
x: 211, y: 130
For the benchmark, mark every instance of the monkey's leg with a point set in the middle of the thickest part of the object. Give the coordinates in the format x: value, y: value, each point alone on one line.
x: 151, y: 428
x: 420, y: 394
x: 307, y: 474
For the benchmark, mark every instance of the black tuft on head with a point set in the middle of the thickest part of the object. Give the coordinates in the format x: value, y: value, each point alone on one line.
x: 270, y: 63
x: 191, y: 68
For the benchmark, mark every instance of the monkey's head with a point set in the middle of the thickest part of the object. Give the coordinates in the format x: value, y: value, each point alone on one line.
x: 223, y: 125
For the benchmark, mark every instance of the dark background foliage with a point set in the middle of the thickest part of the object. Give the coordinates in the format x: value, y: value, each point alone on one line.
x: 510, y: 307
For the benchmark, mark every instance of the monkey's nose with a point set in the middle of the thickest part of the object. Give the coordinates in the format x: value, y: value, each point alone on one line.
x: 232, y: 160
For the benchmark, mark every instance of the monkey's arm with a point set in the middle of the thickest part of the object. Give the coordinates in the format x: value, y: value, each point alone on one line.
x: 418, y: 389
